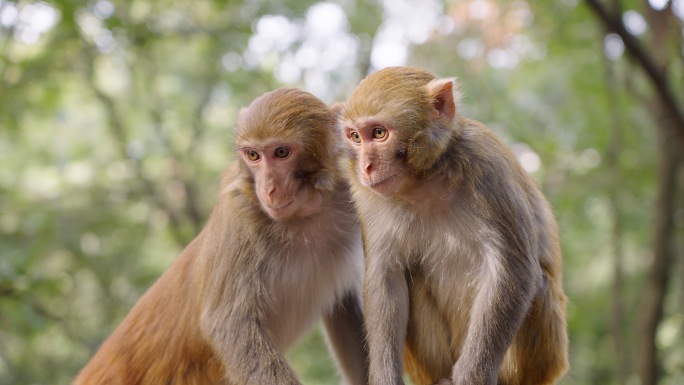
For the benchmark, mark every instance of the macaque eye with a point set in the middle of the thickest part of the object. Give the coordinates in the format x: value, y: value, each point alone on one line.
x: 282, y: 152
x: 379, y: 132
x: 252, y: 155
x: 355, y: 137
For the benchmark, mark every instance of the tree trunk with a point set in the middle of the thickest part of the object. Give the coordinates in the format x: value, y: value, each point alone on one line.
x: 617, y: 316
x: 647, y: 60
x: 663, y: 257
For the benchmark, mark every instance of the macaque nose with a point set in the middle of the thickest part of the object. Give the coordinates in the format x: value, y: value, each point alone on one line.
x: 368, y: 167
x: 268, y: 192
x: 271, y: 190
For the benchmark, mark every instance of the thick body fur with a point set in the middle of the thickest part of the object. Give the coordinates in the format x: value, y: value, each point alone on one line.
x: 463, y: 263
x: 249, y: 285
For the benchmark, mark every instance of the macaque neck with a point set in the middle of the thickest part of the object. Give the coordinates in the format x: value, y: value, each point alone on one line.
x: 433, y: 192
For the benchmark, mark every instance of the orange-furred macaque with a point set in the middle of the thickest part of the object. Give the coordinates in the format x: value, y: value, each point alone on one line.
x: 463, y: 265
x: 281, y: 248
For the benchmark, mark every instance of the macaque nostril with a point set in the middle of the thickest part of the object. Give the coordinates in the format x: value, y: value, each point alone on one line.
x: 369, y: 168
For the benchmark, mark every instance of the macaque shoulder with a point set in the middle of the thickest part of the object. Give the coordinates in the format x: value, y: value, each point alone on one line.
x: 482, y: 143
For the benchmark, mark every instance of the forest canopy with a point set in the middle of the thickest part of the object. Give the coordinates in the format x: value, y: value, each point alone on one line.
x: 117, y: 117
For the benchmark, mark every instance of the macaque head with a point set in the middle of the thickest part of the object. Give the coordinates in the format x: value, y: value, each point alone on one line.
x: 398, y: 123
x: 285, y: 142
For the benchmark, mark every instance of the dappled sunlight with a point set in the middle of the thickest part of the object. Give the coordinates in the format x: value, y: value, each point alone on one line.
x: 678, y: 8
x: 658, y: 5
x: 529, y: 160
x: 613, y: 46
x: 308, y: 51
x: 495, y: 34
x: 29, y: 21
x: 634, y: 22
x: 404, y: 23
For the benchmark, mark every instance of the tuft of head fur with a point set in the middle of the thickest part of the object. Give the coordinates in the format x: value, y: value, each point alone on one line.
x: 296, y: 115
x: 410, y: 100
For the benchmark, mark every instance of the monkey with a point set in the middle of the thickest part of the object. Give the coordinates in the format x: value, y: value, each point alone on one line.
x: 463, y: 265
x: 280, y: 250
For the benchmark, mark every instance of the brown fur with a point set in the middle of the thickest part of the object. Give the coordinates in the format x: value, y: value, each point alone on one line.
x: 249, y: 285
x: 463, y: 262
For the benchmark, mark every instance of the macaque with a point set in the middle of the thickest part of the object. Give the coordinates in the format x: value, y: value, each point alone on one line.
x: 281, y: 249
x: 463, y: 265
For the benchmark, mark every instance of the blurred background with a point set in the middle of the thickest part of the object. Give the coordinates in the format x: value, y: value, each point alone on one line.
x: 116, y: 121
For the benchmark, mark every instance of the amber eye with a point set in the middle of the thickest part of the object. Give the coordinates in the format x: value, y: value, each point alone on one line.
x: 252, y: 155
x: 379, y: 132
x: 355, y: 137
x: 282, y: 152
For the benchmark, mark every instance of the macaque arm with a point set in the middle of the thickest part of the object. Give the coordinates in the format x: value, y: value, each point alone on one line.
x: 237, y: 331
x: 344, y: 328
x: 507, y: 287
x: 386, y: 305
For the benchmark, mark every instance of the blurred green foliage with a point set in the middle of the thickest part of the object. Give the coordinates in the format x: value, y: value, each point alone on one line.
x: 116, y: 118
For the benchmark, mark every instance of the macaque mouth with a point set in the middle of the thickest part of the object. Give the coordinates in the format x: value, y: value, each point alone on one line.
x: 281, y: 208
x: 382, y: 182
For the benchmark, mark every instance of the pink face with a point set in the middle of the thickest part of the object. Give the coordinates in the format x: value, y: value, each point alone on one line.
x: 274, y: 166
x: 377, y: 163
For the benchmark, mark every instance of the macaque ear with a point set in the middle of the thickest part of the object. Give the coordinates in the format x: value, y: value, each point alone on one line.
x: 441, y: 92
x: 428, y: 145
x: 336, y: 109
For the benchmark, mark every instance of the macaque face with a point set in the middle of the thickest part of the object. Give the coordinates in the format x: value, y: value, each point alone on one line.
x: 379, y: 160
x: 278, y: 185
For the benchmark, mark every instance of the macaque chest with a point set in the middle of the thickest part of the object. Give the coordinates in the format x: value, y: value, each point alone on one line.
x: 443, y: 272
x: 317, y: 269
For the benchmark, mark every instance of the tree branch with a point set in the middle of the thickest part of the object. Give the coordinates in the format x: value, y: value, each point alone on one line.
x: 117, y: 128
x: 657, y: 75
